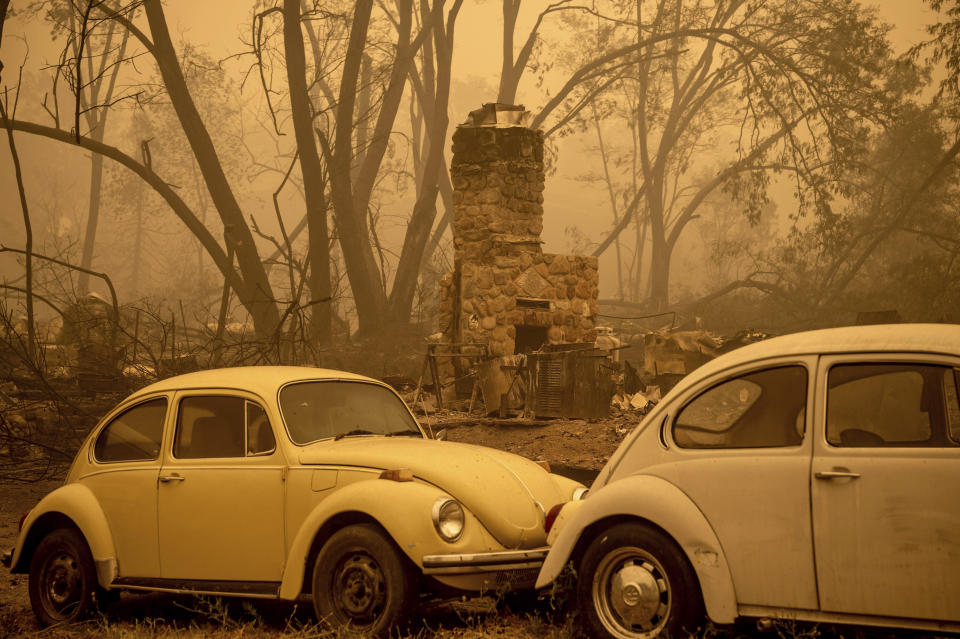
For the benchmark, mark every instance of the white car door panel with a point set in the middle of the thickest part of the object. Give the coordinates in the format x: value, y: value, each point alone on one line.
x: 886, y: 509
x: 743, y: 459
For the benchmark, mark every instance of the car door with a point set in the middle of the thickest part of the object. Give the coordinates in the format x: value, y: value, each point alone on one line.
x: 886, y: 467
x: 740, y: 452
x: 221, y: 492
x: 124, y: 464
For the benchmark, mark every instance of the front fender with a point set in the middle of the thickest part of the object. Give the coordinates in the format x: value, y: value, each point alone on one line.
x: 658, y: 501
x: 77, y: 503
x: 403, y: 509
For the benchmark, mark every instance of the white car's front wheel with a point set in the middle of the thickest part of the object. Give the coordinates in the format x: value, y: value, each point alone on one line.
x: 635, y: 583
x: 361, y: 580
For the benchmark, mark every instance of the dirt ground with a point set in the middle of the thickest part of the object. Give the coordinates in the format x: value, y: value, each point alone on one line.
x: 573, y: 446
x: 577, y: 444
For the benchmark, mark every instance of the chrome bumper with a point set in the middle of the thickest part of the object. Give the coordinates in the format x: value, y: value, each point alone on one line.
x: 7, y: 558
x: 505, y: 560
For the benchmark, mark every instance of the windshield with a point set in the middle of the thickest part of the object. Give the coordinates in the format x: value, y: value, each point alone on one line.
x: 321, y: 410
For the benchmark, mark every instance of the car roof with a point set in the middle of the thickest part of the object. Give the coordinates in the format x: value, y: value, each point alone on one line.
x: 907, y: 338
x: 262, y: 380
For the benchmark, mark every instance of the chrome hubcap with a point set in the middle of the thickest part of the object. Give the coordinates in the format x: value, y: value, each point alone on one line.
x: 631, y: 594
x: 360, y: 590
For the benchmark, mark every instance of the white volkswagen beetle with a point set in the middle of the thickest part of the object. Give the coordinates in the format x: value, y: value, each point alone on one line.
x: 277, y: 481
x: 814, y: 476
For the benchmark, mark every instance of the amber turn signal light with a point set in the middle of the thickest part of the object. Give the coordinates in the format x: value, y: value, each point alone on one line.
x: 397, y: 474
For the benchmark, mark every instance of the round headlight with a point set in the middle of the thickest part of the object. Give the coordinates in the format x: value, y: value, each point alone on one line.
x: 448, y: 518
x: 580, y: 493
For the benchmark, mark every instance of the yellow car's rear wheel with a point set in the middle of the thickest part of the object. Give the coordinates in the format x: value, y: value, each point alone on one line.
x: 360, y: 579
x: 63, y: 579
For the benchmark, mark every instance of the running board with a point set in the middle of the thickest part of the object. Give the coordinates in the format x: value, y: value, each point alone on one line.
x: 201, y: 586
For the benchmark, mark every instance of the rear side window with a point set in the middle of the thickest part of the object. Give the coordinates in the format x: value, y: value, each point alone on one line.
x: 877, y: 405
x: 761, y: 409
x: 134, y: 435
x: 217, y: 426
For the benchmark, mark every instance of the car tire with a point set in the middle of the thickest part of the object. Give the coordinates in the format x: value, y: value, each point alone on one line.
x: 361, y: 580
x: 635, y: 583
x: 63, y: 579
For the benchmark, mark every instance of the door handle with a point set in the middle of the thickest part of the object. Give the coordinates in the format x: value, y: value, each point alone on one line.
x: 838, y: 472
x: 165, y: 479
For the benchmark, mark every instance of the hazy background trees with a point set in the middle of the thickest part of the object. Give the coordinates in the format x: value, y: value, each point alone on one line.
x: 778, y: 163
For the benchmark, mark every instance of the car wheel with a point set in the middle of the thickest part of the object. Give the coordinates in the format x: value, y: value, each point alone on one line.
x: 635, y: 583
x: 360, y: 579
x: 63, y: 579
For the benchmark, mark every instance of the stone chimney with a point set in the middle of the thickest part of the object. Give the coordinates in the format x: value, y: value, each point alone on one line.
x: 497, y: 173
x: 504, y: 291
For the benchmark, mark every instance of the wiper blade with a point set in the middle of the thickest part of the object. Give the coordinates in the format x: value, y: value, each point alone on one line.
x: 405, y: 433
x: 357, y: 431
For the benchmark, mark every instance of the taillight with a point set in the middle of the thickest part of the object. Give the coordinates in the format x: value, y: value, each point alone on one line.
x: 23, y: 518
x: 551, y: 517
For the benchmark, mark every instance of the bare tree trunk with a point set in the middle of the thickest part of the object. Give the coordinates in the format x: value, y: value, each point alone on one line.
x: 610, y: 193
x: 4, y: 4
x: 425, y: 209
x: 509, y: 74
x: 138, y: 247
x: 261, y: 302
x: 312, y: 171
x: 97, y: 121
x: 93, y: 214
x: 28, y: 228
x: 358, y: 257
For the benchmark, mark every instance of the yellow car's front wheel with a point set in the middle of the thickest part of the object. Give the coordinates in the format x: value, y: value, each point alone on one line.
x: 361, y: 579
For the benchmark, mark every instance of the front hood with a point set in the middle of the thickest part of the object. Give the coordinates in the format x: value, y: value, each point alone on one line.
x: 501, y: 489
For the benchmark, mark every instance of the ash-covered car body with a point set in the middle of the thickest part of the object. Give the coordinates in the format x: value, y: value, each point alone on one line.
x: 278, y: 481
x: 807, y: 477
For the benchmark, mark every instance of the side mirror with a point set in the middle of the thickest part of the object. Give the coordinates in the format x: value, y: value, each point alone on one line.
x: 441, y: 435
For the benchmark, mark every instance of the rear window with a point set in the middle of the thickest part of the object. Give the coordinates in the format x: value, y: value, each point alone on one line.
x: 761, y: 409
x: 322, y: 410
x: 133, y: 435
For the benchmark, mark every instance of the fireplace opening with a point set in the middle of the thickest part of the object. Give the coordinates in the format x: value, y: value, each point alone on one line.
x: 530, y: 338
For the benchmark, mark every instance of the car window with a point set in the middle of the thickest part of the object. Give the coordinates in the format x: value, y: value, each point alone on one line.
x: 321, y: 410
x: 760, y: 409
x: 134, y: 435
x: 888, y: 405
x: 260, y: 440
x: 216, y: 426
x: 951, y: 399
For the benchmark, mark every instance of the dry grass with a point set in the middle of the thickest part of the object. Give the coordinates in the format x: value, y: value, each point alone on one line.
x: 164, y: 616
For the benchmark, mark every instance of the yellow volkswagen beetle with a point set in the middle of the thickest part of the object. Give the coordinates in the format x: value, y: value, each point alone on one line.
x: 279, y: 481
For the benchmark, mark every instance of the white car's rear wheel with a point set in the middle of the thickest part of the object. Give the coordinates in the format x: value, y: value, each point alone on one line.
x: 635, y: 583
x: 360, y: 580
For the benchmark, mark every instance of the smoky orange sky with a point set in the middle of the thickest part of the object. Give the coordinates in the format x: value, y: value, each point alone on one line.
x: 219, y: 26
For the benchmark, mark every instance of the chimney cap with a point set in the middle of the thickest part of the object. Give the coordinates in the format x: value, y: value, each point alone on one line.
x: 497, y: 114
